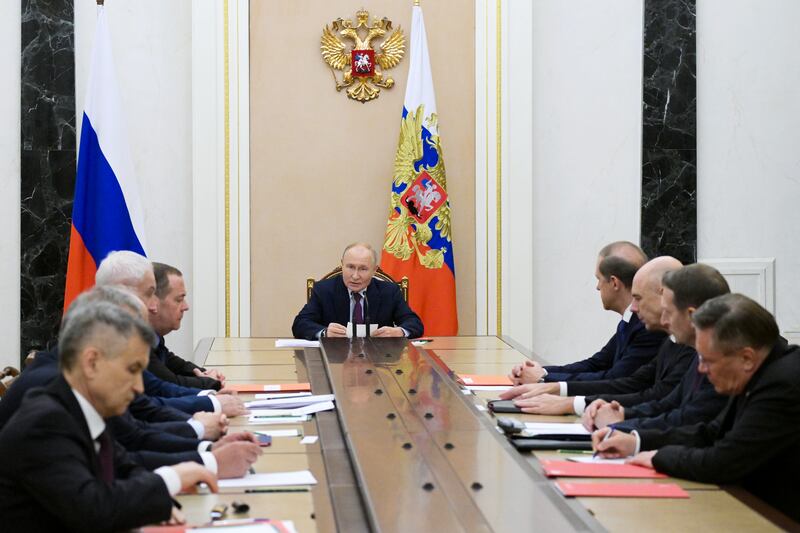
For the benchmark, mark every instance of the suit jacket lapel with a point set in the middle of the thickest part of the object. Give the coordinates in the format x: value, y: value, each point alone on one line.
x: 342, y: 302
x: 61, y: 389
x: 374, y: 302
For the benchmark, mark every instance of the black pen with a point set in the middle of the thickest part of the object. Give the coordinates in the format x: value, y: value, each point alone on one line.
x: 176, y: 503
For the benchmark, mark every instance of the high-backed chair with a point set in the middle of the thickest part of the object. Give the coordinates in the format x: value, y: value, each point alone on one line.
x: 7, y: 375
x: 380, y: 274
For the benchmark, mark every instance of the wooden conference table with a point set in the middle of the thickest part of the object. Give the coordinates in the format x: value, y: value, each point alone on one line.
x: 407, y: 450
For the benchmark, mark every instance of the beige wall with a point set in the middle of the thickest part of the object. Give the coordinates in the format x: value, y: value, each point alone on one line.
x: 321, y: 164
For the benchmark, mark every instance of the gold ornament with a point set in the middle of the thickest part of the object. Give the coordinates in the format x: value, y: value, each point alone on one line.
x: 360, y: 66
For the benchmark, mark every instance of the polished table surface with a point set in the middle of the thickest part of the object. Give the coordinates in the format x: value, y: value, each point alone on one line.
x: 377, y: 484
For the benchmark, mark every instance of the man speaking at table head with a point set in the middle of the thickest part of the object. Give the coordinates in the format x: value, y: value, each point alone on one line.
x: 355, y: 296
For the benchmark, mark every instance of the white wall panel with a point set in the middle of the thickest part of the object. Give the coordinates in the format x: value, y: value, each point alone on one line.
x: 9, y: 182
x: 586, y: 91
x: 748, y: 123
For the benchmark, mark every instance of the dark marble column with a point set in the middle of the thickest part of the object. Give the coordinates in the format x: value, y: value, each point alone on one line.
x: 47, y: 165
x: 669, y: 130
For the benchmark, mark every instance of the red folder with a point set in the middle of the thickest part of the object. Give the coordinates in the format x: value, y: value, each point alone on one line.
x: 478, y: 380
x: 553, y: 468
x: 622, y: 490
x: 258, y: 387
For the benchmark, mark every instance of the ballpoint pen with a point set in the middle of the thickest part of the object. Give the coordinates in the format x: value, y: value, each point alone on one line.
x: 608, y: 435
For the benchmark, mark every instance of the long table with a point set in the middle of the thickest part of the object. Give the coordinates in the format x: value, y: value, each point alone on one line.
x: 407, y: 450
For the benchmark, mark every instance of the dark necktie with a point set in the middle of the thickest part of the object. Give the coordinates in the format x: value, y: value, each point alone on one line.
x: 621, y: 329
x: 358, y: 310
x: 106, y: 456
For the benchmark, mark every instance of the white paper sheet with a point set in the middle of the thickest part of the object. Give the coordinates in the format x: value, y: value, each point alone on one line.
x: 242, y: 526
x: 277, y: 479
x: 479, y: 388
x: 271, y: 395
x: 295, y: 343
x: 279, y: 432
x: 544, y: 428
x: 590, y: 459
x: 309, y: 439
x: 274, y: 420
x: 289, y: 403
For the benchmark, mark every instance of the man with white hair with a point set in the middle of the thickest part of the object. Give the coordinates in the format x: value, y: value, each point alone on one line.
x: 65, y: 471
x: 134, y: 271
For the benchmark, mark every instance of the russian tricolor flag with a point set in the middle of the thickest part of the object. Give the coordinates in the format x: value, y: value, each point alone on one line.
x: 107, y: 213
x: 418, y: 243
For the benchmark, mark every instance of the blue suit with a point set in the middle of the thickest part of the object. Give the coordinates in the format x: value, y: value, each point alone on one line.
x: 330, y: 302
x: 631, y: 347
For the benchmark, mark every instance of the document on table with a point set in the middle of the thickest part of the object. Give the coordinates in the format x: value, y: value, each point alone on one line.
x: 622, y: 490
x: 272, y: 395
x: 274, y: 420
x: 277, y: 479
x: 295, y: 343
x: 487, y: 388
x: 596, y: 460
x: 279, y: 432
x: 242, y: 526
x: 552, y: 468
x: 289, y: 403
x: 554, y: 428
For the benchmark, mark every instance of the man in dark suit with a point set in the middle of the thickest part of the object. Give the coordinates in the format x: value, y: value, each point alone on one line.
x: 694, y: 398
x: 135, y: 272
x: 654, y: 379
x: 65, y: 472
x: 754, y: 440
x: 172, y: 304
x: 629, y: 348
x: 355, y: 296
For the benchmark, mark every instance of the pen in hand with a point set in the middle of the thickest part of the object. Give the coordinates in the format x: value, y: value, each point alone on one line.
x: 608, y: 435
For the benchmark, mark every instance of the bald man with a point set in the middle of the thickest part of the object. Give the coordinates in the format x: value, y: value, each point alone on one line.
x: 356, y: 296
x: 653, y: 380
x: 629, y: 348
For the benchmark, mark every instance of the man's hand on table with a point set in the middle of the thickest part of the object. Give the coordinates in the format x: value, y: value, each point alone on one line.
x: 643, y: 459
x: 610, y: 413
x: 336, y: 330
x: 214, y: 424
x: 619, y: 444
x: 527, y: 372
x: 545, y: 404
x: 388, y: 331
x: 529, y: 390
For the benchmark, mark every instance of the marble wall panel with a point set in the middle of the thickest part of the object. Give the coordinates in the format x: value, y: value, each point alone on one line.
x: 47, y: 164
x: 669, y: 130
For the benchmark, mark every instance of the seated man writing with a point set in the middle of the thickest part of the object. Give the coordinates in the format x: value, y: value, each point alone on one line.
x: 754, y: 440
x: 65, y: 472
x: 356, y: 296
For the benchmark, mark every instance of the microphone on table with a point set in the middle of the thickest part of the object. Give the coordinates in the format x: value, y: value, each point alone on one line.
x: 366, y: 314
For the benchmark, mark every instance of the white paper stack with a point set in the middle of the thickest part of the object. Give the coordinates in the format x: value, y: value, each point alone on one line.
x: 295, y: 343
x: 277, y: 479
x: 289, y: 402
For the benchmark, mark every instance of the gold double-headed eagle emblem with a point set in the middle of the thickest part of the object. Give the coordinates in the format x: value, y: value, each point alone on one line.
x: 361, y: 66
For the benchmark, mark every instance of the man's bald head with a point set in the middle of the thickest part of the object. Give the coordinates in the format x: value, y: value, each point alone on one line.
x: 646, y: 292
x: 652, y: 272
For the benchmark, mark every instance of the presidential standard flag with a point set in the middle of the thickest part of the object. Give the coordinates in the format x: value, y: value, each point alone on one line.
x: 418, y: 241
x: 107, y: 214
